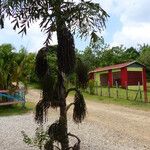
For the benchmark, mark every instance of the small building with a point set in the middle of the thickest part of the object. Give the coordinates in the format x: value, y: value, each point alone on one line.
x: 125, y: 74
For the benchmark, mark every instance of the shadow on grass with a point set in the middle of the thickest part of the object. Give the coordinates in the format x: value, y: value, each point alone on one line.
x: 16, y: 109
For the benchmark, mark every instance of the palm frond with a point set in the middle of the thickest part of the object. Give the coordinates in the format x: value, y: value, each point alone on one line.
x: 41, y: 112
x: 79, y: 111
x: 81, y: 74
x: 65, y: 51
x: 49, y: 145
x: 41, y: 66
x: 57, y: 91
x: 55, y: 130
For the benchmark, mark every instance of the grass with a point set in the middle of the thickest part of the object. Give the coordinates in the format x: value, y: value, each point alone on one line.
x: 117, y: 101
x: 132, y: 92
x: 16, y: 109
x: 34, y: 85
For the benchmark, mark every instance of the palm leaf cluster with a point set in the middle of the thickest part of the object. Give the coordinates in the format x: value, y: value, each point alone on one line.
x: 81, y: 74
x: 65, y: 51
x: 14, y: 66
x: 79, y: 111
x: 49, y: 84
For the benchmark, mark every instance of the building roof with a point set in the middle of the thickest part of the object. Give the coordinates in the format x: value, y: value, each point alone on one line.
x: 117, y: 66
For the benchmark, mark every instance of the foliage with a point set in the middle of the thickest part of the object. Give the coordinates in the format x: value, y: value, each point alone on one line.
x: 89, y: 57
x: 132, y: 54
x: 100, y: 54
x: 81, y: 74
x: 7, y: 65
x: 41, y: 137
x: 145, y: 55
x: 15, y: 66
x: 79, y: 111
x: 91, y: 86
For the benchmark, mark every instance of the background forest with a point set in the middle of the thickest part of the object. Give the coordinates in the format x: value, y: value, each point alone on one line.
x: 19, y: 65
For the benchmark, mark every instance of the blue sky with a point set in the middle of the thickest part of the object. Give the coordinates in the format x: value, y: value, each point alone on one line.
x: 129, y: 24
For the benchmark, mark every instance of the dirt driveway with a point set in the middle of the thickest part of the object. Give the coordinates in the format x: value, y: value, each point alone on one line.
x: 125, y: 125
x: 107, y: 127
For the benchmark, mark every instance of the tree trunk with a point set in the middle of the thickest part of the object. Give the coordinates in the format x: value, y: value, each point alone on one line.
x: 63, y: 119
x: 63, y: 113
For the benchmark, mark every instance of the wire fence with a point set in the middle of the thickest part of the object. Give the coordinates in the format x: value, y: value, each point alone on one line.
x: 130, y: 92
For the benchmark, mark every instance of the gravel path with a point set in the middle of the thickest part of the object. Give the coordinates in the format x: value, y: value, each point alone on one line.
x: 107, y: 127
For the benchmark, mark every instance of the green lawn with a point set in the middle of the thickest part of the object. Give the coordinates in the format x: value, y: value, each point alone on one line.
x: 119, y: 101
x: 16, y: 109
x: 131, y: 94
x: 122, y: 93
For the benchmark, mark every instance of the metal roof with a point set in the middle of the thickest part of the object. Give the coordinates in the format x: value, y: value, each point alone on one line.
x: 117, y: 66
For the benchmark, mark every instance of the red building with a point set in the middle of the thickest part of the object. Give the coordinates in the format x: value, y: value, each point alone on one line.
x: 125, y: 74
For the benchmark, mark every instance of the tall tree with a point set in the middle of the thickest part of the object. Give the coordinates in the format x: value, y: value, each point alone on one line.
x: 14, y: 66
x: 144, y: 57
x: 132, y: 53
x: 7, y: 64
x: 66, y: 18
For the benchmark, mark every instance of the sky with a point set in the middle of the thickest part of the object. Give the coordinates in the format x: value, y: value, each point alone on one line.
x: 128, y: 25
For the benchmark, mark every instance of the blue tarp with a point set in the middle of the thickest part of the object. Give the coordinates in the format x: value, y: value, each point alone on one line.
x: 18, y: 96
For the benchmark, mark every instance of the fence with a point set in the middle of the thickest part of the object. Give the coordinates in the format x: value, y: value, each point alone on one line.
x: 130, y: 93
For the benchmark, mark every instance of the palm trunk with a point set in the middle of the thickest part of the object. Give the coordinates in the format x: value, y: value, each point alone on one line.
x: 63, y: 120
x: 63, y: 112
x: 63, y: 117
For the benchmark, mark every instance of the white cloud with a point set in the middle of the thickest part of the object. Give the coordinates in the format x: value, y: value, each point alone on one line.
x: 132, y: 35
x: 135, y: 19
x: 33, y: 41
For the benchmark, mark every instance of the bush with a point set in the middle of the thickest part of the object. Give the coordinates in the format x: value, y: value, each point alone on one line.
x: 91, y: 86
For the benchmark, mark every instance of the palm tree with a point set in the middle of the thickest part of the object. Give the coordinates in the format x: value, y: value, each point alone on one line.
x: 65, y: 18
x: 6, y: 65
x: 13, y: 66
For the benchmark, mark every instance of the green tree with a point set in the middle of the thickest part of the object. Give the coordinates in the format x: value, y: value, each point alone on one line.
x: 116, y: 55
x: 29, y: 68
x: 15, y: 66
x: 144, y: 57
x: 112, y: 56
x: 7, y: 64
x: 92, y: 54
x: 132, y: 54
x: 66, y: 18
x: 88, y: 57
x: 25, y: 66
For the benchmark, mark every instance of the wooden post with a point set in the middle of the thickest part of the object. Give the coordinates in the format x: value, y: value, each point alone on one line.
x: 144, y: 84
x: 116, y: 89
x: 96, y: 89
x: 101, y: 92
x: 138, y: 91
x: 108, y: 89
x: 139, y: 88
x: 126, y: 85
